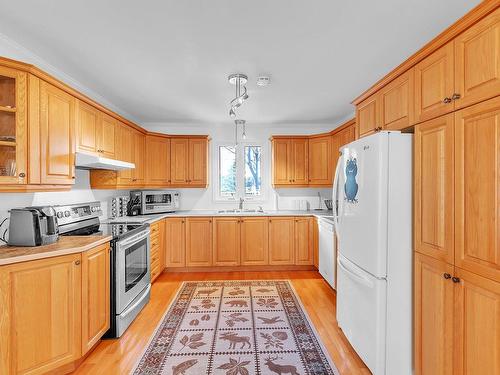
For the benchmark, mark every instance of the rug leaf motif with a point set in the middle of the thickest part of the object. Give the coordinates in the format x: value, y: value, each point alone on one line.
x: 193, y: 341
x: 235, y: 367
x: 269, y: 303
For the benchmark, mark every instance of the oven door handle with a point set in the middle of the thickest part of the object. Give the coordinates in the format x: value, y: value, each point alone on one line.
x: 124, y: 314
x: 134, y: 239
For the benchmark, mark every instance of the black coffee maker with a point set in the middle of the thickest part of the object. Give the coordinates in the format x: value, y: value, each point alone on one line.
x: 33, y: 226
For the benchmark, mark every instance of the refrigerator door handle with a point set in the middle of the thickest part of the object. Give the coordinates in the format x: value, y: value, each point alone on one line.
x: 336, y: 198
x: 354, y: 275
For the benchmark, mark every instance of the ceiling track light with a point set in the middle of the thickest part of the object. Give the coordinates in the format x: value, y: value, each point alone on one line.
x: 239, y: 81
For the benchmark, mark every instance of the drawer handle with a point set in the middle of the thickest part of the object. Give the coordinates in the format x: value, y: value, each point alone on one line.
x: 447, y: 276
x: 456, y: 96
x: 447, y: 100
x: 455, y: 279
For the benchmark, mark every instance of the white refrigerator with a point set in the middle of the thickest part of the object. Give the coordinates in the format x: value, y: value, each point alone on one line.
x: 373, y: 223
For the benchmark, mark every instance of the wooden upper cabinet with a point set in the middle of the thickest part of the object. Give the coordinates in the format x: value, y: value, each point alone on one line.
x: 57, y: 136
x: 477, y: 324
x: 281, y: 154
x: 106, y: 136
x: 477, y: 177
x: 180, y: 160
x: 254, y: 241
x: 304, y: 240
x: 320, y: 160
x: 125, y: 152
x: 226, y: 242
x: 157, y: 161
x: 281, y: 240
x: 197, y: 161
x: 40, y: 315
x: 434, y: 328
x: 87, y: 127
x: 299, y: 161
x: 198, y: 241
x: 433, y: 188
x: 175, y: 242
x: 368, y: 116
x: 396, y: 103
x: 13, y: 126
x: 139, y: 172
x: 477, y: 61
x: 95, y: 295
x: 434, y: 84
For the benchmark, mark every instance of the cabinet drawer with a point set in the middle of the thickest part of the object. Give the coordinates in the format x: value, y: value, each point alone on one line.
x: 155, y: 242
x: 154, y: 228
x: 155, y: 255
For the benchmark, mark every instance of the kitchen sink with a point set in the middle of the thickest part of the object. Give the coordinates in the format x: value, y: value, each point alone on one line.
x: 237, y: 211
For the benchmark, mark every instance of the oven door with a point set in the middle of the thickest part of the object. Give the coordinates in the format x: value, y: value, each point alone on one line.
x: 132, y: 268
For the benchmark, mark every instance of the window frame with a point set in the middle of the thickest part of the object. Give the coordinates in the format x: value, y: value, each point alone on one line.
x: 240, y: 173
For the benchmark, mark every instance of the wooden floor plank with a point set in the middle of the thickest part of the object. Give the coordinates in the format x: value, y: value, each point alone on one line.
x: 119, y: 356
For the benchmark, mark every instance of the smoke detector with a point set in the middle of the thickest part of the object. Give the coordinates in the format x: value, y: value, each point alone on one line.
x: 263, y: 81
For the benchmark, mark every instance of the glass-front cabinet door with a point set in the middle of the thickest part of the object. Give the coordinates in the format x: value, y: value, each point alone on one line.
x: 13, y: 120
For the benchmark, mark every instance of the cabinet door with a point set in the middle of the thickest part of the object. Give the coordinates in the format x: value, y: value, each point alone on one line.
x: 320, y: 161
x: 477, y: 324
x: 433, y: 316
x: 40, y: 315
x: 477, y: 61
x: 125, y: 152
x: 158, y: 161
x: 57, y: 136
x: 198, y: 154
x: 180, y: 160
x: 303, y: 241
x: 198, y: 241
x: 95, y: 295
x: 477, y: 177
x: 175, y: 242
x: 299, y: 161
x: 226, y: 243
x: 254, y: 241
x: 281, y: 241
x: 433, y: 188
x: 434, y: 84
x: 281, y: 154
x: 396, y: 103
x: 139, y: 173
x: 13, y: 126
x: 367, y: 116
x: 87, y: 127
x: 107, y: 136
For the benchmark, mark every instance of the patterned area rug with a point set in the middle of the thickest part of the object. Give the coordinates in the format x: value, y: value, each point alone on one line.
x: 235, y: 328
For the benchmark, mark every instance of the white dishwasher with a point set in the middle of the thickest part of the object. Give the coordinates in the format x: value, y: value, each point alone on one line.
x: 327, y: 251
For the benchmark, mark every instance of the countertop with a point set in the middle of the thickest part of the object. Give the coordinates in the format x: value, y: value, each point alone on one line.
x: 190, y: 213
x: 65, y: 245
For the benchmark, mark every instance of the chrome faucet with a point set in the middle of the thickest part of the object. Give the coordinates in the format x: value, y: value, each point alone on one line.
x: 241, y: 203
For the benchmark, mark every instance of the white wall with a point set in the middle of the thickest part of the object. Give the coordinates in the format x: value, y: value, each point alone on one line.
x: 220, y: 133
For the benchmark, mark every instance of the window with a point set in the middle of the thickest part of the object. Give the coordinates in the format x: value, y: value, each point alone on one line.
x: 239, y: 172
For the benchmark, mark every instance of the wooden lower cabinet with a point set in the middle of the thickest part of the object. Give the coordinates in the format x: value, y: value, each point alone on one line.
x: 281, y: 240
x: 433, y: 316
x: 40, y: 314
x: 254, y: 241
x: 304, y: 241
x: 226, y: 241
x: 457, y: 320
x: 95, y: 295
x: 158, y: 240
x: 477, y: 324
x: 198, y: 241
x: 175, y: 242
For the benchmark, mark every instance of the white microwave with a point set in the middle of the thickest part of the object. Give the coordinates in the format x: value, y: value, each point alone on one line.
x: 157, y: 201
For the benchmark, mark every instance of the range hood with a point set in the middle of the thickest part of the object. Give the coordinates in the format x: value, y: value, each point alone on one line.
x: 88, y: 161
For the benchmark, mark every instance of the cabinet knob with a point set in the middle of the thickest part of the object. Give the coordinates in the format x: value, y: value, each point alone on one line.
x: 22, y: 174
x: 447, y: 100
x: 456, y: 96
x: 77, y: 262
x: 73, y: 177
x: 455, y: 279
x: 447, y: 276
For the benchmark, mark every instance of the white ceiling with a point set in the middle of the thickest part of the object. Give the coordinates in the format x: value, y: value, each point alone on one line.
x: 168, y: 61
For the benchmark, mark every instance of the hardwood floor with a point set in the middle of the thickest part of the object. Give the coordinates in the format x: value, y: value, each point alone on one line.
x: 119, y: 356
